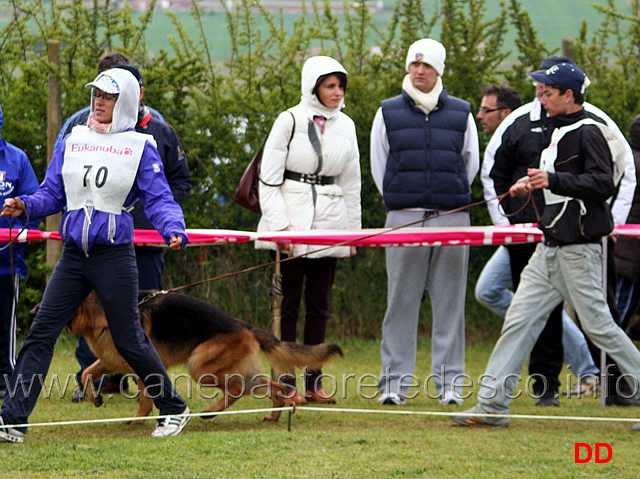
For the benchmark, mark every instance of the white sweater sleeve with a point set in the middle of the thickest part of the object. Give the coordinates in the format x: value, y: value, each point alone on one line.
x: 379, y: 151
x: 471, y: 149
x: 495, y: 210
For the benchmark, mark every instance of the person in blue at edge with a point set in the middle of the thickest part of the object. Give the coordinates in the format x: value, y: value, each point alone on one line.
x: 96, y: 176
x: 16, y: 178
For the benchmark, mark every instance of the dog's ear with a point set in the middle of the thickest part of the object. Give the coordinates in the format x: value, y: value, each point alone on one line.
x: 34, y: 310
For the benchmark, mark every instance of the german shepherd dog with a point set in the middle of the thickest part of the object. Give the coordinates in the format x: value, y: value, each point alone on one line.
x: 218, y: 349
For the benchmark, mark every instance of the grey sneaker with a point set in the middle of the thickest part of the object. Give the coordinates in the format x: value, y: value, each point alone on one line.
x: 474, y: 421
x: 451, y: 397
x: 172, y: 425
x: 10, y: 434
x: 391, y: 399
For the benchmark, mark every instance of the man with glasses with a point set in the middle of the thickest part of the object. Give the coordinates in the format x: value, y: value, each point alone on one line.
x: 497, y: 102
x: 494, y: 283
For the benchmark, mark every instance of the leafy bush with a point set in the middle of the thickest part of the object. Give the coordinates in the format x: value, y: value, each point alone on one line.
x: 222, y: 112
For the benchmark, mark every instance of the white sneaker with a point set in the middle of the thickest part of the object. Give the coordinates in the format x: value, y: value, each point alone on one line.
x: 172, y: 425
x: 10, y: 434
x: 451, y: 397
x: 391, y: 399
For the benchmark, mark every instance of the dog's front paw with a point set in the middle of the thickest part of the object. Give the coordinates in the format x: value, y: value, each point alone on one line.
x: 97, y: 400
x: 273, y: 417
x: 134, y: 422
x: 209, y: 417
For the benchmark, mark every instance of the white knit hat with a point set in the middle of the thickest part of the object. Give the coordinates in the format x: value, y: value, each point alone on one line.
x: 427, y: 51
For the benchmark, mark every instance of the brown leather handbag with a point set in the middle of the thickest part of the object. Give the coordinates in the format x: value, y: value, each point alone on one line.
x: 246, y: 194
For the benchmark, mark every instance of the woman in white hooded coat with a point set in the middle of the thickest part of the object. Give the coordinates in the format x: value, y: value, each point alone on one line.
x: 310, y: 179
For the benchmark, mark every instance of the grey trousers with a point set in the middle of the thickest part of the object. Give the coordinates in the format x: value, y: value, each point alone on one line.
x: 443, y: 270
x: 573, y: 273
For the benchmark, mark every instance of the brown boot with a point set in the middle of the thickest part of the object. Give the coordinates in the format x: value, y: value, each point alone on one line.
x: 315, y: 391
x: 320, y: 396
x: 293, y: 396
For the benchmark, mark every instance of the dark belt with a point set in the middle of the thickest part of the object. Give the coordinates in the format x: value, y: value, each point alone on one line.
x: 310, y: 178
x: 548, y: 241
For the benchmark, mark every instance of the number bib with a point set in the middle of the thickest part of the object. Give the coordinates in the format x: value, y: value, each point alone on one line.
x: 99, y: 170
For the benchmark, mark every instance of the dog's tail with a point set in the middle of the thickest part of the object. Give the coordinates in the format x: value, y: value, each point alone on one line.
x: 285, y: 356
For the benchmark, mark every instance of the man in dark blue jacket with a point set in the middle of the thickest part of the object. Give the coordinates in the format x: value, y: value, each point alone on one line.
x: 16, y: 178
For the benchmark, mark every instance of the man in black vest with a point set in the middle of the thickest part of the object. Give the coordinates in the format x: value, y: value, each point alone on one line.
x: 424, y: 156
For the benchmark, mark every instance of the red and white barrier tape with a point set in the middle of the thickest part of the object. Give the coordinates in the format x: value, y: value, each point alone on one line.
x: 377, y: 237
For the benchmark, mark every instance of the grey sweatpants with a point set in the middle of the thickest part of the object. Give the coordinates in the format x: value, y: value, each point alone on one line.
x: 443, y: 270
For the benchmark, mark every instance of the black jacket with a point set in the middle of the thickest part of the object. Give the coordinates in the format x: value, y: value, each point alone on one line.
x: 584, y: 175
x: 519, y: 149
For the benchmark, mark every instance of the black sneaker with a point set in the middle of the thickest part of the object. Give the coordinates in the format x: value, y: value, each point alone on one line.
x: 79, y: 395
x: 616, y: 400
x: 391, y: 399
x: 10, y: 434
x: 548, y: 400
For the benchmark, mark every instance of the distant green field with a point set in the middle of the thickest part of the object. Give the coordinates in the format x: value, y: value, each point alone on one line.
x: 553, y: 20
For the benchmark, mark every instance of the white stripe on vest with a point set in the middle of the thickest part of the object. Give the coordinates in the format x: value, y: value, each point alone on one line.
x: 549, y: 156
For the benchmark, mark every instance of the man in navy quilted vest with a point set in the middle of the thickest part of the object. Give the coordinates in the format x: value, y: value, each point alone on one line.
x: 424, y: 156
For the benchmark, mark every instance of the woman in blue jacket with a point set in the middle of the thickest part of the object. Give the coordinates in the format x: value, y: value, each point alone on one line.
x: 95, y: 177
x: 16, y: 178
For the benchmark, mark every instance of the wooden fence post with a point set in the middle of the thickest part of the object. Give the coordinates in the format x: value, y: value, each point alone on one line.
x: 54, y: 123
x: 568, y: 48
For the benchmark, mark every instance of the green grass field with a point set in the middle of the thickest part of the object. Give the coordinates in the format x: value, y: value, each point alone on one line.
x: 321, y: 444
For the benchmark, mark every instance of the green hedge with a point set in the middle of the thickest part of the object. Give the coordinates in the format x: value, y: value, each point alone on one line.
x: 206, y: 103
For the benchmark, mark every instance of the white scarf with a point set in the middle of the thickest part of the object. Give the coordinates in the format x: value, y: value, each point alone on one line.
x: 424, y: 101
